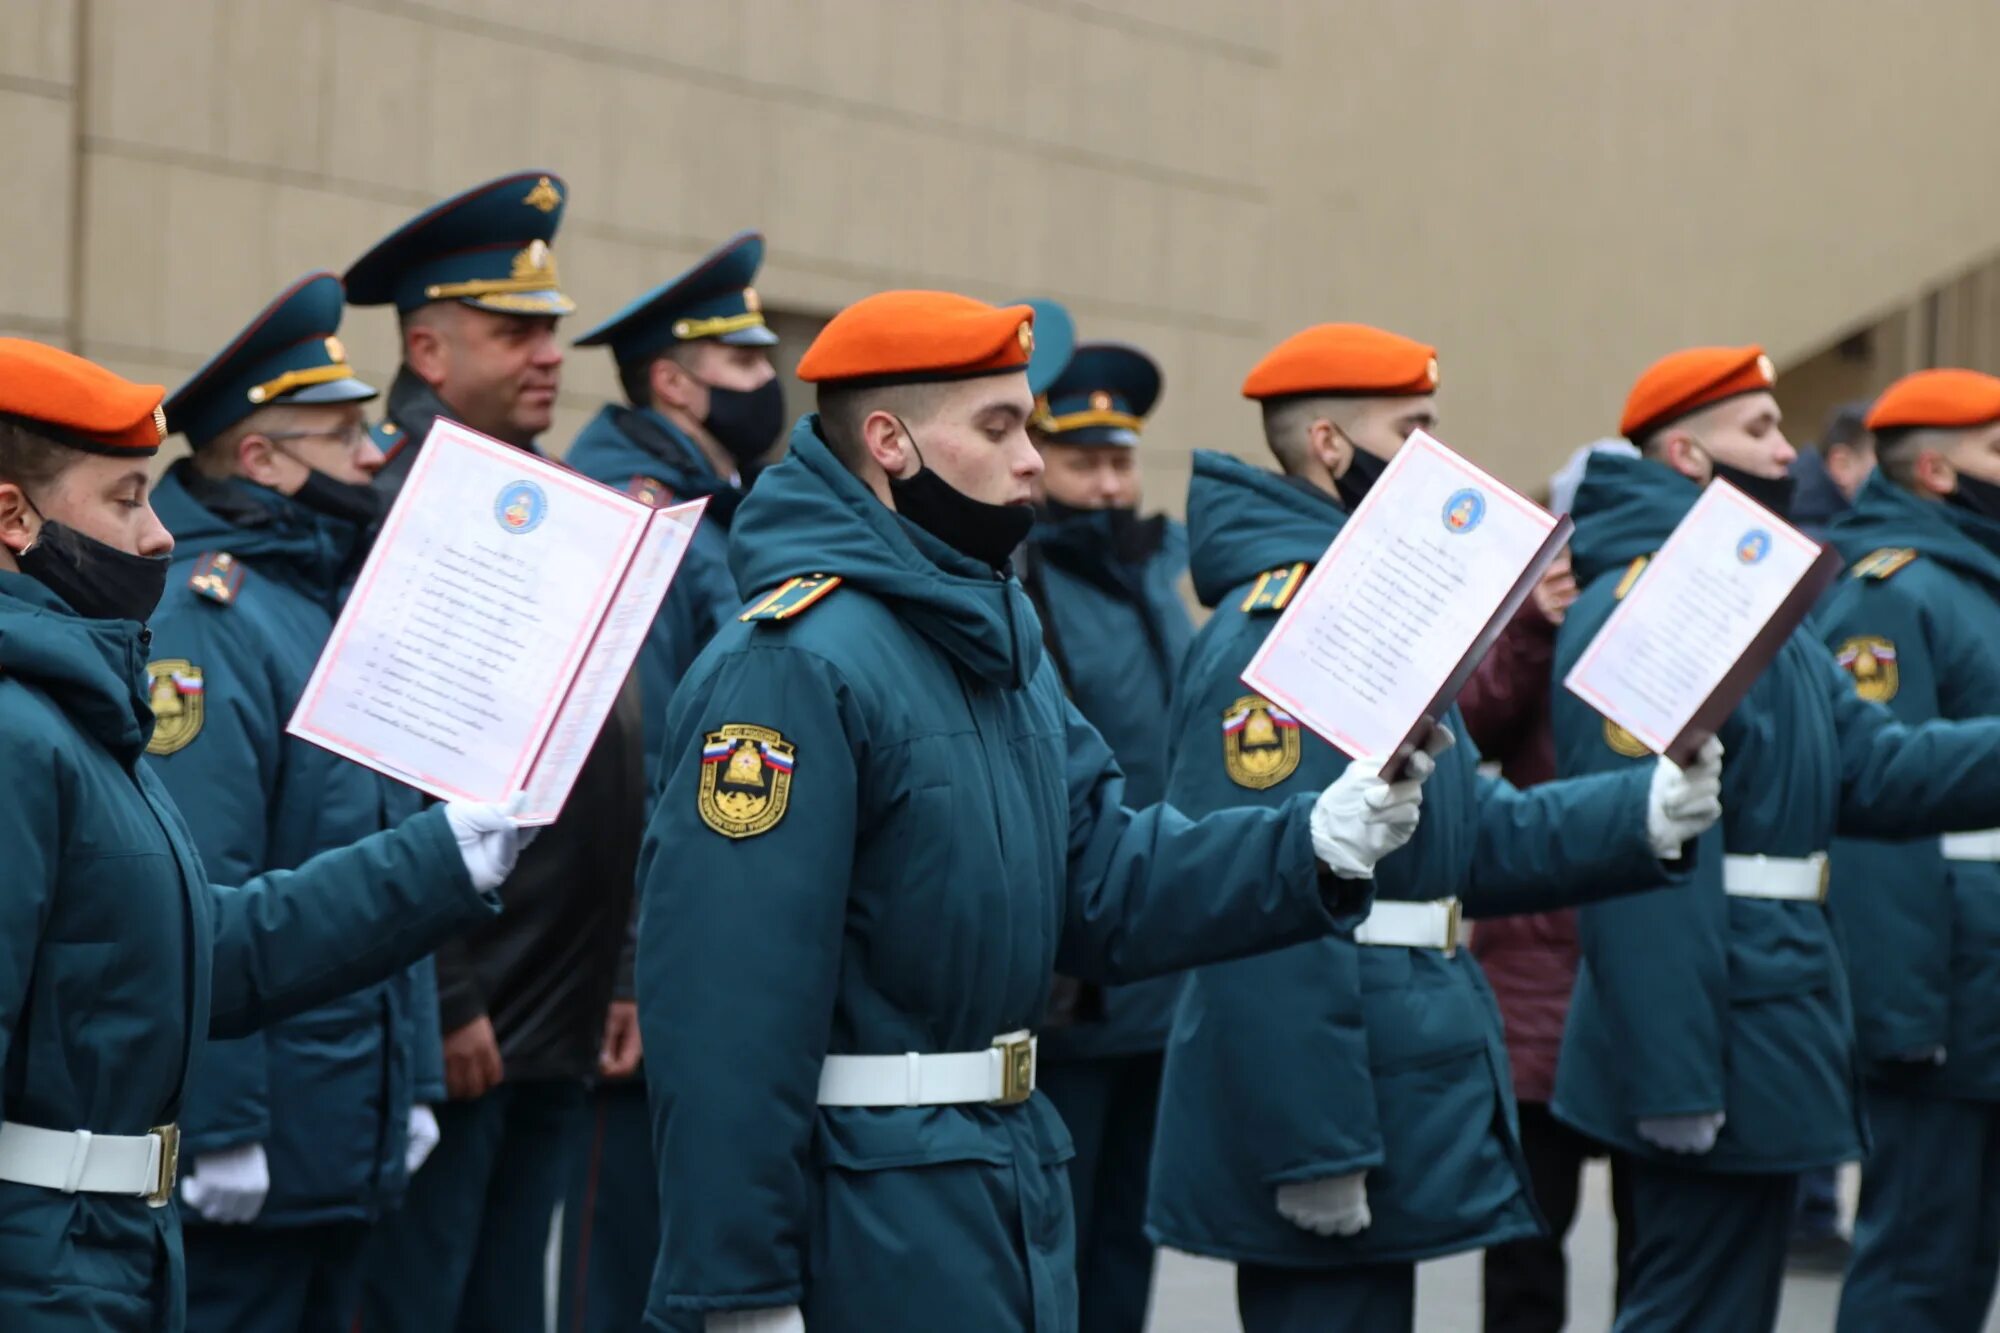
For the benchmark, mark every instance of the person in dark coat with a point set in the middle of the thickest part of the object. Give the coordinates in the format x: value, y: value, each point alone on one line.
x: 524, y: 1001
x: 302, y: 1136
x: 119, y: 959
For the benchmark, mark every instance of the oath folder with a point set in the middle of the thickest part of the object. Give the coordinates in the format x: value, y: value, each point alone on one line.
x: 493, y: 625
x: 1393, y: 620
x: 1699, y: 623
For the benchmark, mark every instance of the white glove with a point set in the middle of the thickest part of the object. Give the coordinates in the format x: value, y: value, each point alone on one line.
x: 1335, y: 1206
x: 787, y: 1320
x: 1684, y: 801
x: 422, y: 1137
x: 1360, y: 819
x: 229, y: 1186
x: 488, y: 838
x: 1683, y: 1133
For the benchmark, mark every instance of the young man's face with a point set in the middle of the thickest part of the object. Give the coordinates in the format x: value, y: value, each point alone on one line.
x: 975, y: 437
x: 499, y: 373
x: 99, y: 496
x: 1745, y: 433
x: 1091, y: 476
x: 1382, y: 425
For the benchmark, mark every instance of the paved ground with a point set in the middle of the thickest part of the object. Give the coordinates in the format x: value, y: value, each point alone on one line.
x: 1196, y: 1296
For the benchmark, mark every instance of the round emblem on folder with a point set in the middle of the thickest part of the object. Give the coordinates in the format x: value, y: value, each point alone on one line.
x: 521, y: 507
x: 1754, y: 546
x: 1464, y: 511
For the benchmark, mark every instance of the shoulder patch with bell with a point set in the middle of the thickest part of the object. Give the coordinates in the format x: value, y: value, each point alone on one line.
x: 1274, y: 588
x: 792, y: 596
x: 1871, y: 660
x: 175, y: 690
x: 746, y: 779
x: 1883, y: 563
x: 1624, y: 742
x: 217, y: 576
x: 1260, y: 743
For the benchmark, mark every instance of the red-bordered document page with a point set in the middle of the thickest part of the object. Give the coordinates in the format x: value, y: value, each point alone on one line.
x: 1700, y: 624
x: 1405, y: 604
x: 492, y: 624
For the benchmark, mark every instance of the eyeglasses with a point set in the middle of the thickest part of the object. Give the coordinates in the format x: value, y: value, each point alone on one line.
x: 354, y: 436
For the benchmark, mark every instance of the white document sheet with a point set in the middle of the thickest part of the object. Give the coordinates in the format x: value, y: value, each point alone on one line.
x: 492, y: 624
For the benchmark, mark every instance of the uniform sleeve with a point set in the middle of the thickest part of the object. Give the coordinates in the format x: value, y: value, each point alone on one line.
x: 1902, y: 780
x: 1152, y: 891
x: 740, y: 931
x: 1894, y: 896
x: 224, y: 777
x: 32, y: 830
x: 1564, y: 843
x: 292, y: 939
x: 1659, y: 961
x: 425, y: 1035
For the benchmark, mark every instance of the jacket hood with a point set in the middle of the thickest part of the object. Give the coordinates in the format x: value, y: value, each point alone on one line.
x: 810, y: 515
x: 1243, y: 520
x: 1886, y: 514
x: 1624, y: 509
x: 641, y: 442
x: 251, y: 522
x: 91, y: 668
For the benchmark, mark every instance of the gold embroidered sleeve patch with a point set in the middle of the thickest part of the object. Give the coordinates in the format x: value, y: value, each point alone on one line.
x: 746, y: 780
x: 1260, y: 743
x: 1871, y: 660
x: 175, y: 690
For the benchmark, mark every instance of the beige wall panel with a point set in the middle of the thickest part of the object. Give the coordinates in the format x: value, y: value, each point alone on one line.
x: 269, y: 93
x: 379, y: 123
x: 153, y: 68
x: 124, y: 255
x: 40, y: 41
x: 35, y: 164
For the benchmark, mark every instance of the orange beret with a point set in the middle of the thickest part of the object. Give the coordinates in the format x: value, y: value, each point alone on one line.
x: 910, y: 337
x: 79, y: 402
x: 1689, y: 380
x: 1945, y: 399
x: 1345, y: 359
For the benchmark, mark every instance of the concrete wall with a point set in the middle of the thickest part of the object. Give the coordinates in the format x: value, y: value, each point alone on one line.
x: 1554, y: 191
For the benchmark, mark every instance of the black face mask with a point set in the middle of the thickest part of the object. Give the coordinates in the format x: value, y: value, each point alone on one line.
x: 357, y: 503
x: 1978, y: 496
x: 746, y: 422
x: 1774, y: 493
x: 99, y: 582
x: 988, y: 533
x: 1363, y: 471
x: 1129, y: 536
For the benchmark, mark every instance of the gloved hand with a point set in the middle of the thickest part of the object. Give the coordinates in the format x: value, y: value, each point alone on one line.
x: 1684, y: 801
x: 1683, y: 1133
x: 230, y: 1185
x: 1335, y: 1206
x: 422, y: 1137
x: 489, y: 840
x: 786, y: 1320
x: 1360, y: 819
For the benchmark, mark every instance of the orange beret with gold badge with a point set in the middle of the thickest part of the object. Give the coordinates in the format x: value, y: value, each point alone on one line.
x: 1939, y: 399
x: 1353, y: 360
x: 79, y: 402
x: 918, y: 337
x: 1686, y: 381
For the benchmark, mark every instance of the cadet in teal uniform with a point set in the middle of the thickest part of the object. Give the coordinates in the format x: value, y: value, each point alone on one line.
x: 1337, y: 1111
x: 301, y: 1136
x: 1106, y: 586
x: 1917, y: 626
x: 703, y: 406
x: 118, y: 958
x: 1711, y: 1038
x: 882, y: 829
x: 524, y: 1002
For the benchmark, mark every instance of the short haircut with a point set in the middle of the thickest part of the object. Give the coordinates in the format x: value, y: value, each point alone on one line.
x: 842, y: 409
x: 1847, y: 428
x: 635, y: 375
x: 30, y: 457
x: 1288, y: 426
x: 1897, y: 449
x: 217, y: 451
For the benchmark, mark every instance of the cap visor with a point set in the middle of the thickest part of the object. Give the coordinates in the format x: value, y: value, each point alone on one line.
x: 349, y: 390
x: 523, y: 303
x: 757, y: 335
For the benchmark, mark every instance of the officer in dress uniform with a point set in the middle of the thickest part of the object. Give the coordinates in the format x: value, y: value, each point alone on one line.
x: 838, y: 998
x: 302, y: 1135
x: 1711, y: 1038
x: 523, y: 1001
x: 1106, y: 586
x: 119, y: 960
x: 703, y: 407
x: 1340, y: 1110
x: 1917, y: 626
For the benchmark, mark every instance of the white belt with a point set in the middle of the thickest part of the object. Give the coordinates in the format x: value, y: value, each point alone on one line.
x: 1792, y: 879
x: 1002, y: 1074
x: 1407, y: 925
x: 1982, y: 846
x: 141, y: 1165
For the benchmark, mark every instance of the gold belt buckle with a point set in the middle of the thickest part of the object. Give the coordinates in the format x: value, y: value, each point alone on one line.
x: 162, y: 1192
x: 1017, y: 1069
x: 1825, y: 876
